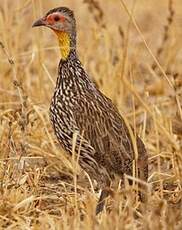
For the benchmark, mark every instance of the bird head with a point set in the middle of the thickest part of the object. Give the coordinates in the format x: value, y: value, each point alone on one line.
x: 62, y: 21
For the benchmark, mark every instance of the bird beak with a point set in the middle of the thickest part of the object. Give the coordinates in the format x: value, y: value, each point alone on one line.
x: 39, y: 22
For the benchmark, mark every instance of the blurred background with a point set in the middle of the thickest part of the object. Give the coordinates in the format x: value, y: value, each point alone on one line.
x: 132, y: 50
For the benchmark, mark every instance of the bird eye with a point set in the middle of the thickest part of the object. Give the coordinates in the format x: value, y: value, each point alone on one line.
x: 56, y: 18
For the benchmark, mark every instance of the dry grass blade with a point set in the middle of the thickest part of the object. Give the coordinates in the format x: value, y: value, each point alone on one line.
x: 148, y: 48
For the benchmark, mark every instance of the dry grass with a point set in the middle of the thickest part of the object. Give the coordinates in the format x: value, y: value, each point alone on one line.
x: 134, y: 54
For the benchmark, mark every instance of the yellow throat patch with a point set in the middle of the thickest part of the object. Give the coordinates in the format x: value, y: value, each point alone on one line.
x: 64, y: 44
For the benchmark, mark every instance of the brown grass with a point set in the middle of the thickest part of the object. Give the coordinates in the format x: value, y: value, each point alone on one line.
x: 133, y: 51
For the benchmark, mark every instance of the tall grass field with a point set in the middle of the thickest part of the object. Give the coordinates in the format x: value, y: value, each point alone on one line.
x: 132, y: 50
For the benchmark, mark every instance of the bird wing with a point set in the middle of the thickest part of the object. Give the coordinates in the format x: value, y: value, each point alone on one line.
x: 105, y: 130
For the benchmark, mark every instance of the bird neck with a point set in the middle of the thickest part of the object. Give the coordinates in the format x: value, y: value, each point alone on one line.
x: 72, y: 76
x: 67, y: 44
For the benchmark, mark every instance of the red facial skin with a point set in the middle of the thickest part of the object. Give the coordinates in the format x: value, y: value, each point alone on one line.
x: 55, y: 17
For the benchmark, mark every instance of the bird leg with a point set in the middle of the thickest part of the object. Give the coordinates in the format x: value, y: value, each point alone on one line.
x: 100, y: 205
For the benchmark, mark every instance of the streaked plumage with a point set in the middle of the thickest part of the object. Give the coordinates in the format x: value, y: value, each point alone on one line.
x: 103, y: 139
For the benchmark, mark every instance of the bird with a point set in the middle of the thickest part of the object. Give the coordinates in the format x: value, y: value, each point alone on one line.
x: 104, y: 141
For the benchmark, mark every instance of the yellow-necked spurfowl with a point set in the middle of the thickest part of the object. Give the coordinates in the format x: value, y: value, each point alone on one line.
x: 103, y: 141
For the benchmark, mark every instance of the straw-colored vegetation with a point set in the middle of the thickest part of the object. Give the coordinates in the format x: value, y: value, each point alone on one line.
x: 133, y: 51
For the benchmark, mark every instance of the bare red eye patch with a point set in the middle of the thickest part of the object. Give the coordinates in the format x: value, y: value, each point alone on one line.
x: 55, y: 17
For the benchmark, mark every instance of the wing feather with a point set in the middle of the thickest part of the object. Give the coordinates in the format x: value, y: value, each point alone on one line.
x: 105, y: 130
